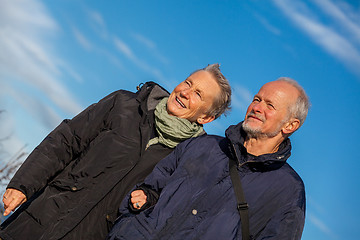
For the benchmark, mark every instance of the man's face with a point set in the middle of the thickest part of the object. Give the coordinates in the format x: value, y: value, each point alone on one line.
x: 192, y: 98
x: 268, y: 112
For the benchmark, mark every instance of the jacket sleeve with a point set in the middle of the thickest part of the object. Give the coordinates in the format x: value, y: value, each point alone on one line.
x: 152, y: 197
x: 65, y: 143
x: 156, y: 180
x: 163, y: 171
x: 286, y: 224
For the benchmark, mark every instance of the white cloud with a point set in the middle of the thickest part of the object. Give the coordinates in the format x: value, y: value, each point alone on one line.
x: 126, y: 50
x: 89, y: 46
x: 30, y: 73
x: 267, y: 25
x: 332, y: 38
x: 321, y: 226
x: 73, y: 74
x: 345, y: 17
x: 151, y: 46
x: 145, y: 41
x: 97, y: 18
x: 46, y: 115
x: 82, y: 40
x: 98, y: 23
x: 20, y: 11
x: 26, y: 54
x: 109, y: 40
x: 315, y: 209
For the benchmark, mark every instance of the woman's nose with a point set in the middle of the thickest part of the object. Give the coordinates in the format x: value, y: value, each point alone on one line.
x: 185, y: 93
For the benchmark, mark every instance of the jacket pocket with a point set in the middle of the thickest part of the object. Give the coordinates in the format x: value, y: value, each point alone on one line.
x: 67, y: 185
x: 110, y: 220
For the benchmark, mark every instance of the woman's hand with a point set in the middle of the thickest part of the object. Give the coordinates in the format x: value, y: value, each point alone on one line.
x: 12, y: 199
x: 138, y: 198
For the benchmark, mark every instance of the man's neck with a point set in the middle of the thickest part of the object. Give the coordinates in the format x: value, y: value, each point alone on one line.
x: 260, y: 146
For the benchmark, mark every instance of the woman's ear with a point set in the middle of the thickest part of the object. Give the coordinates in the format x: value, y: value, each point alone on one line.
x: 205, y: 119
x: 291, y: 126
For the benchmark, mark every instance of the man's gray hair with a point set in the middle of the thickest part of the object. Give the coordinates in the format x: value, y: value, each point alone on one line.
x: 222, y: 103
x: 301, y: 107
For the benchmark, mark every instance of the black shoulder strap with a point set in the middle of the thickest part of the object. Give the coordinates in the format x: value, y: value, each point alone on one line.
x: 242, y: 205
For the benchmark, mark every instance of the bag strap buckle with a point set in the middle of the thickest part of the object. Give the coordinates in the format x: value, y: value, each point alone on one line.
x: 243, y: 206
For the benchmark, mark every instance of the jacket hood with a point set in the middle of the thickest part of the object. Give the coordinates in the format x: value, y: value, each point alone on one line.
x: 151, y: 93
x: 266, y: 162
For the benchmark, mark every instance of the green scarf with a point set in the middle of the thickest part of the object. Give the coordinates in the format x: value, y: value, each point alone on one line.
x: 172, y: 130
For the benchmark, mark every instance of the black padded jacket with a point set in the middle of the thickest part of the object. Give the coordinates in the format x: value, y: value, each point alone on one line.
x: 76, y: 178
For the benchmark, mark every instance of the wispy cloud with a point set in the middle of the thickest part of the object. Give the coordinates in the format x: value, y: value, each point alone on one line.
x: 37, y: 108
x: 343, y: 45
x: 151, y: 46
x: 26, y: 57
x: 343, y: 15
x: 316, y: 209
x: 86, y: 44
x: 98, y: 23
x: 322, y: 226
x: 145, y: 41
x: 267, y: 25
x: 81, y: 39
x: 127, y: 51
x: 73, y: 74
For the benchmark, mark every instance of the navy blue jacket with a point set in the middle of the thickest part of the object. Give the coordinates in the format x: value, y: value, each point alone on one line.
x: 197, y: 199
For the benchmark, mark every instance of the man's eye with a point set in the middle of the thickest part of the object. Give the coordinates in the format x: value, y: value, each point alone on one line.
x: 256, y: 100
x: 187, y: 82
x: 198, y: 93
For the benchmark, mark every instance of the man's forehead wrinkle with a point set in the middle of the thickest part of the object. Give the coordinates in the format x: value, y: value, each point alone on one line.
x: 273, y: 96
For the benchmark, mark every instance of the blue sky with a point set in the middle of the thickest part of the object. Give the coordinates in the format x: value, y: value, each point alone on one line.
x: 57, y: 57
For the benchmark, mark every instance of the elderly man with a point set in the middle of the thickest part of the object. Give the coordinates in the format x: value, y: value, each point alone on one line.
x: 77, y: 177
x: 194, y: 191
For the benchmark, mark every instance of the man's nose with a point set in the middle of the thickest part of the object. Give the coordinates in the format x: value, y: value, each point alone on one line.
x: 258, y: 107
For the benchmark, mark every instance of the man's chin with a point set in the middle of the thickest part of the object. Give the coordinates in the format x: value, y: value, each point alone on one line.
x: 251, y: 126
x: 251, y: 131
x: 257, y: 133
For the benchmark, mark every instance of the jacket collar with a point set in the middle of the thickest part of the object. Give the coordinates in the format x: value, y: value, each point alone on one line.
x: 266, y: 162
x: 150, y: 94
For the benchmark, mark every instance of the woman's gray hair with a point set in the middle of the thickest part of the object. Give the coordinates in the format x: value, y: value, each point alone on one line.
x: 301, y: 107
x: 222, y: 103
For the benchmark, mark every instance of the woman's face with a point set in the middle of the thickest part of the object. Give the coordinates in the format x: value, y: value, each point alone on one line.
x: 194, y: 97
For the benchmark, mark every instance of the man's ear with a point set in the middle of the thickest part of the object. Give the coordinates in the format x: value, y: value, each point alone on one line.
x: 291, y: 126
x: 205, y: 119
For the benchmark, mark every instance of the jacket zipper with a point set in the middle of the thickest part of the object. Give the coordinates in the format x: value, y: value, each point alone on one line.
x: 237, y: 157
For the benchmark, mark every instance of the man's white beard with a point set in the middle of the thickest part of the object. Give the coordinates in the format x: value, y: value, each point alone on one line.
x: 256, y: 132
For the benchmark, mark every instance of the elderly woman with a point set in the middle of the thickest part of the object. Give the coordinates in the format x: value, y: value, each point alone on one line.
x: 77, y: 177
